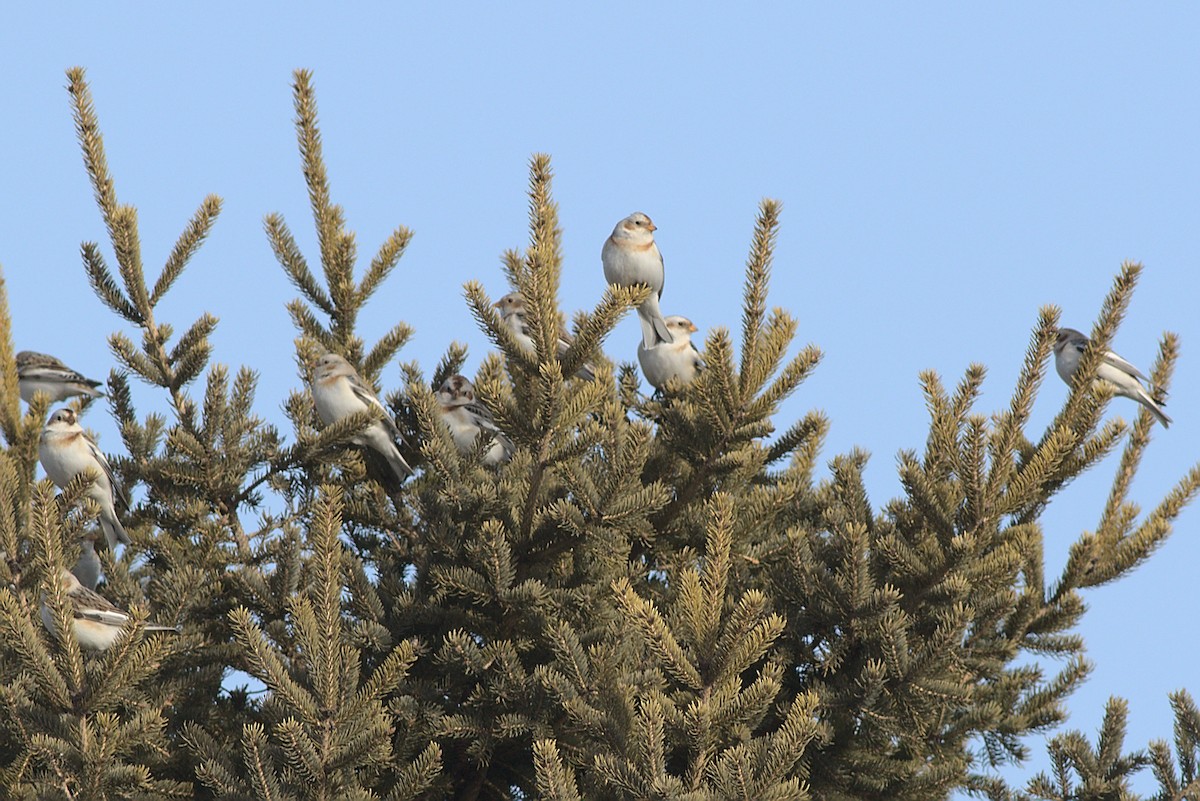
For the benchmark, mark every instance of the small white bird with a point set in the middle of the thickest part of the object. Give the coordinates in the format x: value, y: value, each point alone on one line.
x: 1125, y: 378
x: 39, y: 372
x: 631, y: 257
x: 339, y: 392
x: 66, y: 451
x: 678, y: 360
x: 512, y: 313
x: 88, y: 568
x: 96, y: 622
x: 468, y: 420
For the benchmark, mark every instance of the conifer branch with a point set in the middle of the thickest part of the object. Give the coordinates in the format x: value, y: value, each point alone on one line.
x: 803, y: 439
x: 1182, y: 784
x: 1104, y: 771
x: 556, y: 781
x: 1008, y: 440
x: 87, y: 129
x: 384, y: 262
x: 105, y: 285
x: 1138, y: 440
x: 269, y: 668
x: 24, y: 640
x: 188, y: 243
x: 127, y: 247
x: 339, y: 298
x: 136, y: 361
x: 788, y: 381
x: 327, y: 216
x: 416, y: 778
x: 758, y: 273
x: 514, y: 266
x: 263, y: 779
x: 385, y: 349
x: 287, y: 252
x: 657, y: 635
x: 215, y: 769
x: 592, y: 329
x: 544, y: 256
x: 10, y: 407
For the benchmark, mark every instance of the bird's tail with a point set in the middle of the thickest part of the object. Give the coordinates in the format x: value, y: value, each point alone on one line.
x: 385, y: 464
x: 114, y: 532
x: 1155, y: 408
x: 654, y: 327
x: 397, y: 463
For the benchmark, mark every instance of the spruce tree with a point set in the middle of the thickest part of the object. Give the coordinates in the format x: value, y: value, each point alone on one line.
x: 656, y: 597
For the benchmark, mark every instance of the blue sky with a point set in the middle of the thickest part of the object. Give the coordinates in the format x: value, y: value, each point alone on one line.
x: 945, y: 170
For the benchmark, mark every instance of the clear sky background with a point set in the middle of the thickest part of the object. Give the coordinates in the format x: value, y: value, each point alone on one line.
x: 945, y: 170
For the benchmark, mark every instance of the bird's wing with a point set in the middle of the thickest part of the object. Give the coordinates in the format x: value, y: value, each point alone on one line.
x: 662, y: 269
x: 89, y: 605
x: 46, y: 371
x: 482, y: 416
x: 60, y: 373
x: 1116, y: 361
x: 506, y: 444
x: 696, y: 357
x: 367, y: 396
x: 29, y: 360
x: 97, y: 454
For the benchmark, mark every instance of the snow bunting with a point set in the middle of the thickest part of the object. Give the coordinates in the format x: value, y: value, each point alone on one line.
x: 679, y: 359
x: 468, y: 420
x: 630, y: 256
x: 66, y: 451
x: 339, y: 392
x: 512, y: 312
x: 39, y: 372
x: 1126, y: 378
x: 96, y: 622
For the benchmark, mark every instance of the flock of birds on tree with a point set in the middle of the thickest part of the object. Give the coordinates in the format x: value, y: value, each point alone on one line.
x: 666, y: 354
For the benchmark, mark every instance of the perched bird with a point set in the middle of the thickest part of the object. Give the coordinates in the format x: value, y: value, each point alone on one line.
x: 1125, y: 378
x: 39, y: 372
x: 468, y: 420
x: 631, y: 257
x: 96, y: 622
x: 339, y: 392
x: 88, y: 568
x: 65, y: 452
x: 512, y: 312
x: 679, y: 359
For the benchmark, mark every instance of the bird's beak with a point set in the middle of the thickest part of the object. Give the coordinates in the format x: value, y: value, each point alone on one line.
x: 496, y: 305
x: 692, y: 328
x: 652, y: 226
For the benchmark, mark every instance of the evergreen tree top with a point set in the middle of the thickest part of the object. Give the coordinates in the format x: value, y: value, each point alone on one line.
x: 636, y: 597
